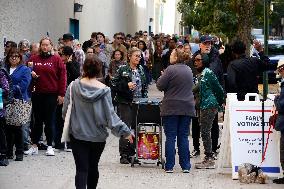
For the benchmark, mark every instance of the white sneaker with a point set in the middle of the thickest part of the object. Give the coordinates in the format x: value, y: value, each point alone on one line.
x: 49, y: 151
x: 67, y: 148
x: 31, y: 151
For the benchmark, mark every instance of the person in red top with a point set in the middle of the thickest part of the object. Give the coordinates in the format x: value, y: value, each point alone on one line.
x: 49, y: 74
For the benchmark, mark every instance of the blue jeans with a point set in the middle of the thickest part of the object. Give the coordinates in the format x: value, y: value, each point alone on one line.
x: 26, y: 133
x: 177, y: 127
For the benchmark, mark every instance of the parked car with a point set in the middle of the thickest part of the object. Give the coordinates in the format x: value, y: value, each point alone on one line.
x: 275, y: 53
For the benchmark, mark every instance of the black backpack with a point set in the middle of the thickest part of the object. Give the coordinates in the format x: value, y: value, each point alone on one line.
x: 9, y: 98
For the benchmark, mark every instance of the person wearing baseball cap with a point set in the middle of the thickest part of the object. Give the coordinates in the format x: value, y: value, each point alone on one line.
x: 68, y: 39
x: 205, y: 44
x: 279, y: 126
x: 179, y: 45
x: 280, y: 67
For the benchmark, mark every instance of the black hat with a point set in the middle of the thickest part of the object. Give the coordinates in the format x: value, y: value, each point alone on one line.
x: 66, y: 50
x: 68, y: 36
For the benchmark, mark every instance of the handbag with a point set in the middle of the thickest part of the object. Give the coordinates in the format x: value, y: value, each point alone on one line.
x: 66, y: 129
x: 18, y: 112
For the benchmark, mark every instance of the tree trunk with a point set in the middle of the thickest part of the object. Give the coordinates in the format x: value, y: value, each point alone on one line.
x: 245, y: 20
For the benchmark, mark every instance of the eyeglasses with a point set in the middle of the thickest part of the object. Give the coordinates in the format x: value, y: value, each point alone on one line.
x: 119, y: 38
x: 138, y: 56
x: 280, y: 69
x: 15, y: 56
x: 197, y: 59
x: 145, y: 35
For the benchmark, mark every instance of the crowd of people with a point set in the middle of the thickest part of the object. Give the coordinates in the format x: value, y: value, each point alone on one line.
x: 106, y: 77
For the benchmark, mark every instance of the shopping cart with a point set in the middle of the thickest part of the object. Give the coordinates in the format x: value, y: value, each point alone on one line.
x: 148, y: 131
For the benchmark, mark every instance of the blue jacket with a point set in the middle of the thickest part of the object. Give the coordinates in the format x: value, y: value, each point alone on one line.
x: 21, y: 78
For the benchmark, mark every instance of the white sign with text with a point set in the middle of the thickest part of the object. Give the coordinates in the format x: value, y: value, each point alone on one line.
x: 245, y: 123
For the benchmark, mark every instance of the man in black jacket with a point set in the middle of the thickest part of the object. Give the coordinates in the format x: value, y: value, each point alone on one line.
x: 243, y: 72
x: 73, y: 72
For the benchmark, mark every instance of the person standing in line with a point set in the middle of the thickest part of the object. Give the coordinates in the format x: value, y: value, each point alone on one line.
x: 209, y: 97
x: 129, y: 83
x: 4, y: 91
x: 49, y: 73
x: 24, y: 47
x: 215, y: 65
x: 157, y: 64
x: 7, y: 46
x: 118, y: 44
x: 177, y: 109
x: 279, y: 104
x: 92, y: 113
x: 79, y: 55
x: 243, y: 71
x: 73, y: 72
x: 21, y: 78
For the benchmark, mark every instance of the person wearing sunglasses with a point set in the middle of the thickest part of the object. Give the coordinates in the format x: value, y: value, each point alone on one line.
x: 209, y: 98
x: 118, y: 44
x: 205, y: 45
x: 21, y: 78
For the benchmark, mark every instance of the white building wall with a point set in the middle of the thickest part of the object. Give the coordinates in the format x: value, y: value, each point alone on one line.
x: 32, y: 19
x: 107, y: 16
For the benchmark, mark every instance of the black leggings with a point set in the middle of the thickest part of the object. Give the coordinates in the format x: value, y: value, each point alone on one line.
x: 86, y: 155
x: 3, y: 142
x: 44, y: 107
x: 14, y: 137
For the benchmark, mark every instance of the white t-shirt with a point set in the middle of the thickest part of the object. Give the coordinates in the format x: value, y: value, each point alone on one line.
x: 12, y: 70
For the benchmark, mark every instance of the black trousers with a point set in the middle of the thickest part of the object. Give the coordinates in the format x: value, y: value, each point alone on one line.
x: 282, y: 149
x: 14, y: 136
x: 44, y: 107
x: 196, y: 133
x: 58, y: 128
x: 125, y: 113
x: 86, y: 155
x: 3, y: 141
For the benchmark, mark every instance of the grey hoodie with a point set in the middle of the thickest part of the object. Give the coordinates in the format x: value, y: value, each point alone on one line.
x: 92, y: 111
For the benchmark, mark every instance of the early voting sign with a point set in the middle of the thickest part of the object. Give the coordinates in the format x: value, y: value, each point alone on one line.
x: 245, y: 123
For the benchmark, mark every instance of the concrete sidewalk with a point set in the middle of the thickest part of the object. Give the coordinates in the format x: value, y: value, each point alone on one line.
x: 42, y: 172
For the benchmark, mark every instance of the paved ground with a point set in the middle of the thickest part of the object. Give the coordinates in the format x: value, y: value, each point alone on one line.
x: 41, y: 172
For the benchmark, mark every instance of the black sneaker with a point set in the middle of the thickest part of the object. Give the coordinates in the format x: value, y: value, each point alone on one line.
x: 42, y: 146
x: 215, y: 155
x: 194, y: 154
x: 4, y: 162
x: 10, y: 157
x: 279, y: 181
x: 124, y: 160
x: 19, y: 157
